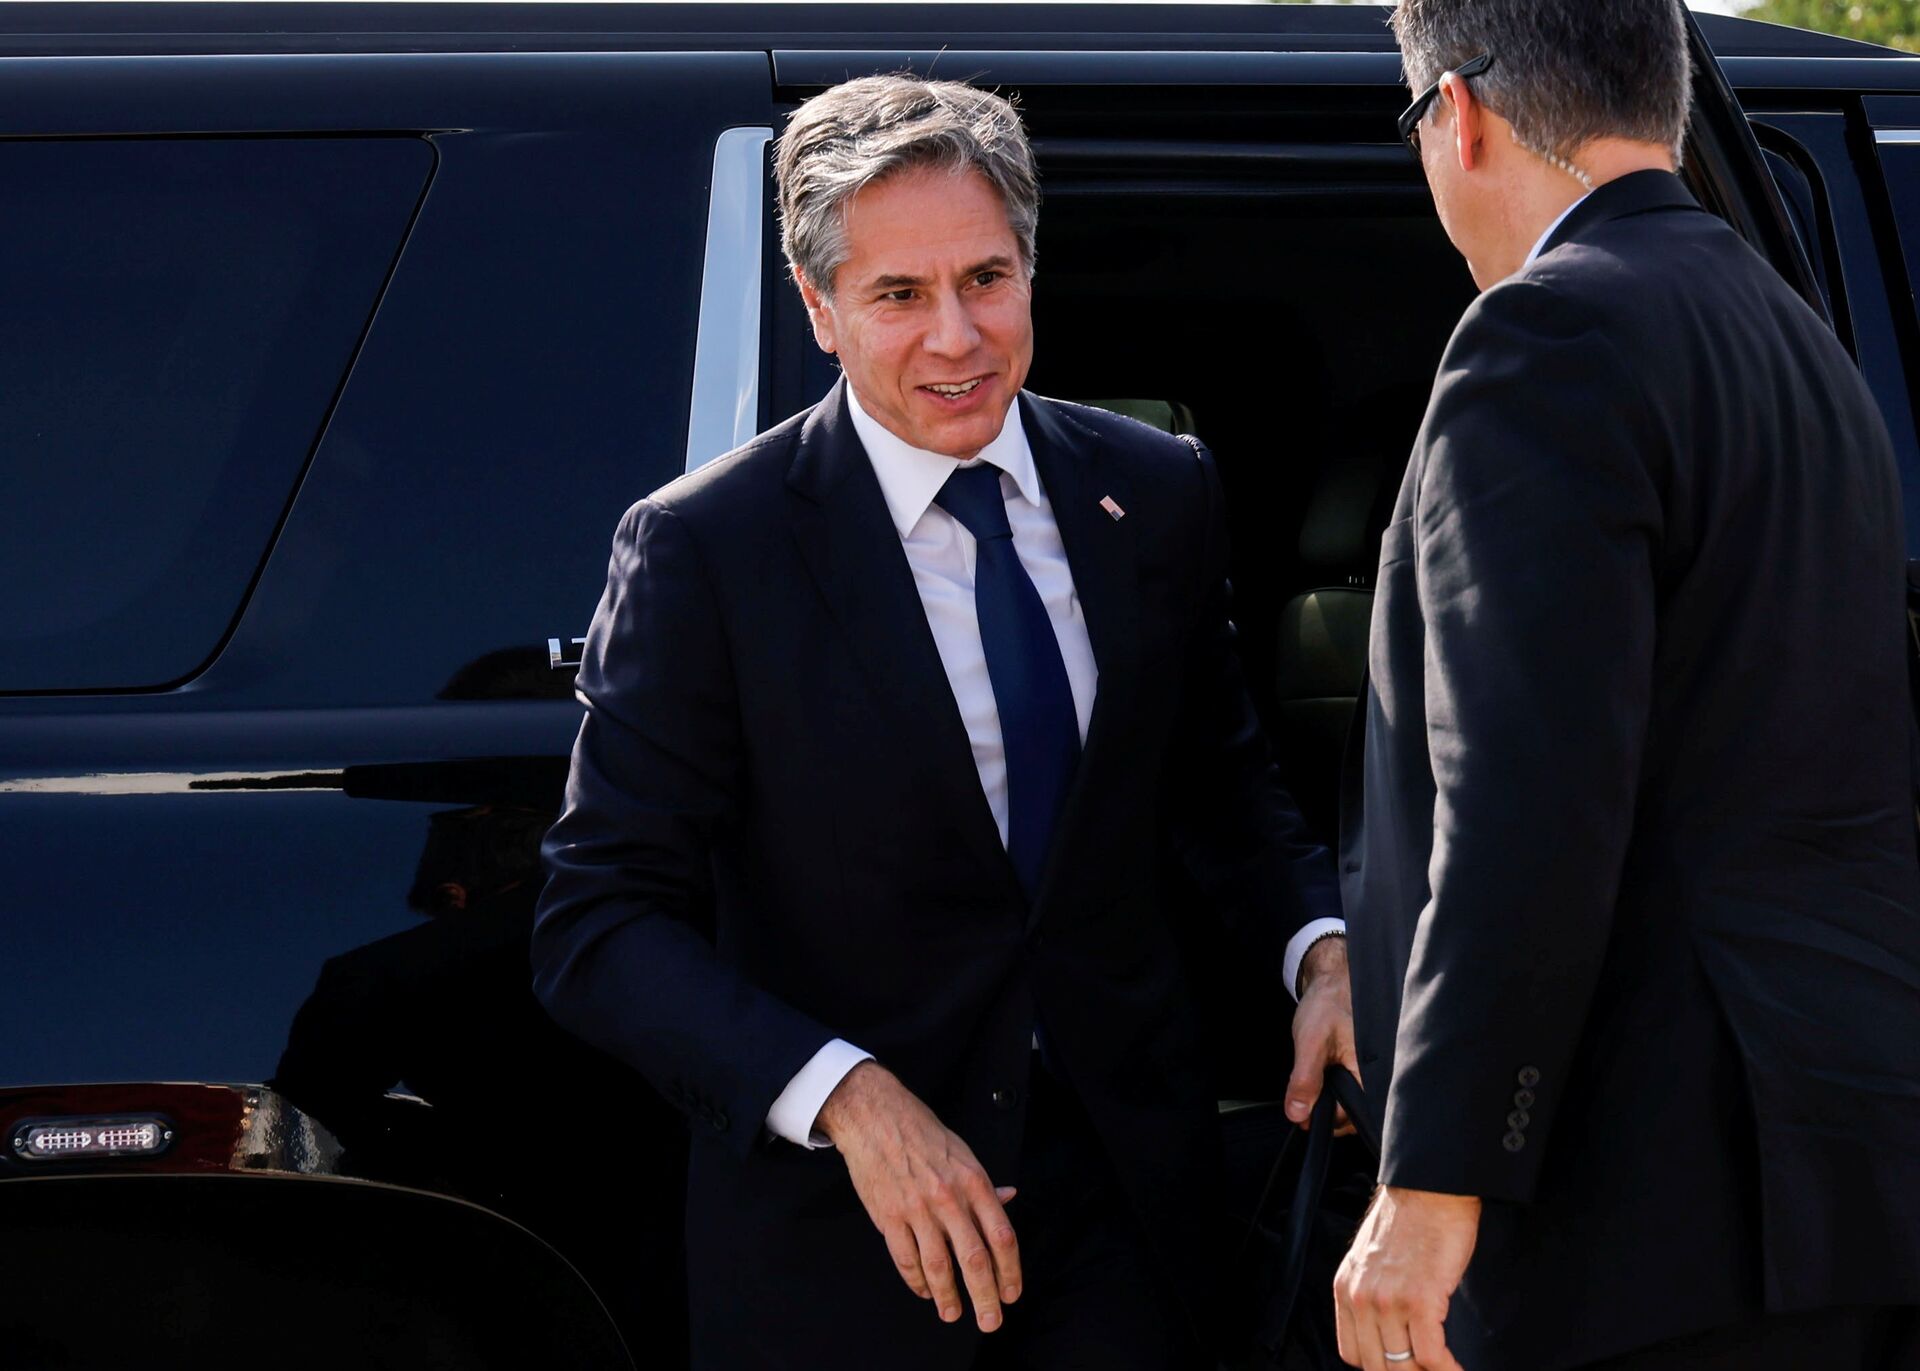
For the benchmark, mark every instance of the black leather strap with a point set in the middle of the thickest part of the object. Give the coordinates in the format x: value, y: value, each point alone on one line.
x: 1339, y: 1091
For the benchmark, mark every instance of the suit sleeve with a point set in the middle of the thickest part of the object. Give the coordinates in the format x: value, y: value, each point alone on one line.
x: 1237, y: 831
x: 1538, y: 516
x: 623, y: 945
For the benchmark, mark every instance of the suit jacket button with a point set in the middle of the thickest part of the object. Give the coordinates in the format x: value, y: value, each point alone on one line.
x: 1005, y: 1099
x: 718, y: 1118
x: 1529, y: 1076
x: 1514, y: 1141
x: 1519, y: 1119
x: 1523, y: 1098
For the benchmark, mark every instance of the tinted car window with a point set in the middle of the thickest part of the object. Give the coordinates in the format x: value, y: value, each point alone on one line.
x: 1901, y: 161
x: 178, y: 317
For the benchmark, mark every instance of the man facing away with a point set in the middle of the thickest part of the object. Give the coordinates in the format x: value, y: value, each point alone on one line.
x: 896, y: 717
x: 1631, y: 866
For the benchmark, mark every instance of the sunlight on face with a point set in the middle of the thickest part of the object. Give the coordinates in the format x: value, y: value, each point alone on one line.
x: 1471, y: 206
x: 1441, y: 158
x: 931, y: 314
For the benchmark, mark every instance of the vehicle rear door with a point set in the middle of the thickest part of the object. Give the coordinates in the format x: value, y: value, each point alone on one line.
x: 343, y: 367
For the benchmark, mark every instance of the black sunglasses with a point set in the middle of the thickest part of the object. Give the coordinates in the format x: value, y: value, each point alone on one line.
x: 1410, y: 120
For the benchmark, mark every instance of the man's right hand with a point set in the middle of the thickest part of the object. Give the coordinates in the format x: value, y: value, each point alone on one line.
x: 1322, y: 1029
x: 926, y: 1193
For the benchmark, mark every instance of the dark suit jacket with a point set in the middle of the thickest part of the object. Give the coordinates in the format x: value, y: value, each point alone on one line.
x: 1629, y: 839
x: 775, y: 835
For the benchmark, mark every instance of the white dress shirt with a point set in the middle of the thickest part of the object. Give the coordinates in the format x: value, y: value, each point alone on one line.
x: 940, y: 553
x: 1541, y: 246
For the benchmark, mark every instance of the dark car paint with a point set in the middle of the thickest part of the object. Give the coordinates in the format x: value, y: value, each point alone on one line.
x: 313, y: 862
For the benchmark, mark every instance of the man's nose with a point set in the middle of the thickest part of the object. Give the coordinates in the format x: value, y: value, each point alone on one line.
x: 952, y: 333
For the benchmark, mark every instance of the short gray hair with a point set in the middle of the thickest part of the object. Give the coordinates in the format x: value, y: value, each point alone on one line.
x: 1565, y: 71
x: 865, y: 130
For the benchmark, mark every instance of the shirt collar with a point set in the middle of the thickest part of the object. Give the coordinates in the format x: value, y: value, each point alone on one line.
x: 910, y: 477
x: 1552, y: 229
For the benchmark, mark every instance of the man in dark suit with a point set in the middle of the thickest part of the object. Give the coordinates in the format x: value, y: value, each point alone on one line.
x: 896, y: 716
x: 1629, y: 848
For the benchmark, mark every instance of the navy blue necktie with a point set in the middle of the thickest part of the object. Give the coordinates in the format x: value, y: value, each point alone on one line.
x: 1039, y: 727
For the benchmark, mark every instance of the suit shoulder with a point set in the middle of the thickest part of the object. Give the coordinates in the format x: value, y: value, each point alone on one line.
x: 1173, y: 473
x: 1634, y: 274
x: 730, y: 488
x: 1555, y: 326
x: 1546, y: 303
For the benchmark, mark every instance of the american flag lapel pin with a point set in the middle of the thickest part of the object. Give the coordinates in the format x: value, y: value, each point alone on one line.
x: 1112, y: 507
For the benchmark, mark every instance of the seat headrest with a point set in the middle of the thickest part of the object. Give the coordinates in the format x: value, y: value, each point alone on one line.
x: 1353, y: 497
x: 1169, y: 416
x: 1342, y: 526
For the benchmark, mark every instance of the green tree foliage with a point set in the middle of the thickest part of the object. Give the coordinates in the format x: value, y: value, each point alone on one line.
x: 1893, y: 23
x: 1896, y: 23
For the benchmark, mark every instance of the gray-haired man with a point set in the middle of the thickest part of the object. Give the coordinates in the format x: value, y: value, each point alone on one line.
x: 1636, y: 916
x: 892, y: 716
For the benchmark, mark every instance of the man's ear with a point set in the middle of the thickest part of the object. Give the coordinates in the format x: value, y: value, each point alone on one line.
x: 819, y: 312
x: 1469, y: 120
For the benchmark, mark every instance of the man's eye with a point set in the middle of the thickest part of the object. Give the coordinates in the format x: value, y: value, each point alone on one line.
x: 899, y: 297
x: 986, y: 278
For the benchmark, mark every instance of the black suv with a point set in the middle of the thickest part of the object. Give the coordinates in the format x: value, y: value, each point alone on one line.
x: 334, y: 340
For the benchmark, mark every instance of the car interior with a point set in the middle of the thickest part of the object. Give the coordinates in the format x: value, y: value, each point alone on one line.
x: 1298, y: 340
x: 1290, y: 309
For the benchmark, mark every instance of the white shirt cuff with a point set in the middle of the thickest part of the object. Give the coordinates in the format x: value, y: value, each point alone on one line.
x: 1297, y: 947
x: 806, y: 1094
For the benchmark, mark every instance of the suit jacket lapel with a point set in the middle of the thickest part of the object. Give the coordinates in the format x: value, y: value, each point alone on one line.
x: 847, y: 539
x: 1101, y: 553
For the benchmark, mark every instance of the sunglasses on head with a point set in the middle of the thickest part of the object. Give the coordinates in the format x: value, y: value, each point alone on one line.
x: 1417, y: 111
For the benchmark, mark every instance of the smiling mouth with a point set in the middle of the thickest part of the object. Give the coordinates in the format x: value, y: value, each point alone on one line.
x: 954, y: 390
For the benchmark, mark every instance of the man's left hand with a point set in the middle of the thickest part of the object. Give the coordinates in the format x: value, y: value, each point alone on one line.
x: 1322, y: 1027
x: 1399, y: 1276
